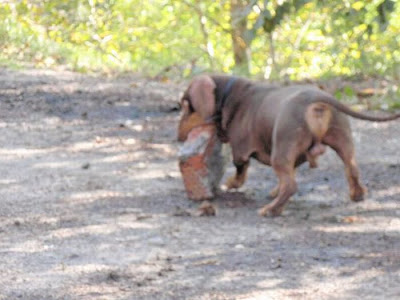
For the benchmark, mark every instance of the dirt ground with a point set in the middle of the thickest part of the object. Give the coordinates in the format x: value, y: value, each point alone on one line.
x: 92, y: 205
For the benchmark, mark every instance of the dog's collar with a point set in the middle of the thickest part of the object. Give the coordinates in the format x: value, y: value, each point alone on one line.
x: 225, y: 94
x: 220, y: 104
x: 217, y: 117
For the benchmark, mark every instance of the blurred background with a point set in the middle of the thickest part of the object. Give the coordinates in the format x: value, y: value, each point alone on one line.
x: 277, y: 39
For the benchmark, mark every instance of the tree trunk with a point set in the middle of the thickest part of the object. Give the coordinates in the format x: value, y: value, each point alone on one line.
x: 241, y: 49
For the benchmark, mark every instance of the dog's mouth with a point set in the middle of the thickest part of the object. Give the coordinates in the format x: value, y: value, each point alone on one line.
x: 188, y: 123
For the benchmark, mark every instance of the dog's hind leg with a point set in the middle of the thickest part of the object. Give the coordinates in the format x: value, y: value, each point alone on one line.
x: 285, y: 153
x: 340, y: 139
x: 284, y: 167
x: 287, y: 187
x: 274, y: 192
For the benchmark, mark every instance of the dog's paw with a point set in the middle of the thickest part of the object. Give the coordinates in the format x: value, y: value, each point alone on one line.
x: 233, y: 183
x: 270, y: 211
x: 358, y: 194
x: 274, y: 192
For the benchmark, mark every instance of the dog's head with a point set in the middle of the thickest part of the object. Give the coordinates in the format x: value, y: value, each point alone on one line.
x: 198, y: 105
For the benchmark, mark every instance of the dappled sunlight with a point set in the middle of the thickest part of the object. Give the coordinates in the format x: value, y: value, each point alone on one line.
x: 389, y: 191
x: 377, y: 125
x: 30, y: 246
x: 92, y: 196
x: 67, y: 164
x: 93, y: 205
x: 391, y: 227
x: 150, y: 174
x: 98, y: 230
x: 101, y: 229
x: 100, y: 143
x: 88, y: 290
x: 18, y: 153
x: 163, y: 148
x: 267, y: 284
x: 8, y: 181
x: 122, y: 157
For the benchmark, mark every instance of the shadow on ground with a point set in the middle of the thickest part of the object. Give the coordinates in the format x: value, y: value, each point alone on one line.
x: 92, y: 206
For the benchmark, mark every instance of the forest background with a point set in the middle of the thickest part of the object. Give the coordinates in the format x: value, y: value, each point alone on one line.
x: 274, y: 40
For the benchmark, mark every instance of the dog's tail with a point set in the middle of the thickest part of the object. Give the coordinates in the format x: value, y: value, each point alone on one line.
x: 321, y: 96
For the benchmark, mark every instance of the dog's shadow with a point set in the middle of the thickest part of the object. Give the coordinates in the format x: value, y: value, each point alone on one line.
x: 233, y: 199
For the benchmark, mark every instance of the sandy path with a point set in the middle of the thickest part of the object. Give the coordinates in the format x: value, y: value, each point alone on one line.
x: 92, y: 206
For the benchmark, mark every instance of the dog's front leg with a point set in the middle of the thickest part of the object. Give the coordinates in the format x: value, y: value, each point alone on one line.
x: 237, y: 180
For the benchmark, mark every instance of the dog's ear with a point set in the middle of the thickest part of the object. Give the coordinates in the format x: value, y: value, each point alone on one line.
x: 202, y: 95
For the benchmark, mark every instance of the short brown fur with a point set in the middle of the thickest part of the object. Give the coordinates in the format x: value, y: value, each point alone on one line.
x: 189, y: 120
x: 279, y: 126
x: 318, y: 117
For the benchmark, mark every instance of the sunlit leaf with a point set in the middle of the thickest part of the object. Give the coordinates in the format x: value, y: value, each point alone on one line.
x: 358, y: 5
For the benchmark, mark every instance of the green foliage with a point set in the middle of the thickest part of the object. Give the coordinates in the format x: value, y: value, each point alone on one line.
x: 286, y: 39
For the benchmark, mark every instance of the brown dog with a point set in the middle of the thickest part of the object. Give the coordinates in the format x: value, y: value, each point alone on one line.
x: 279, y: 126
